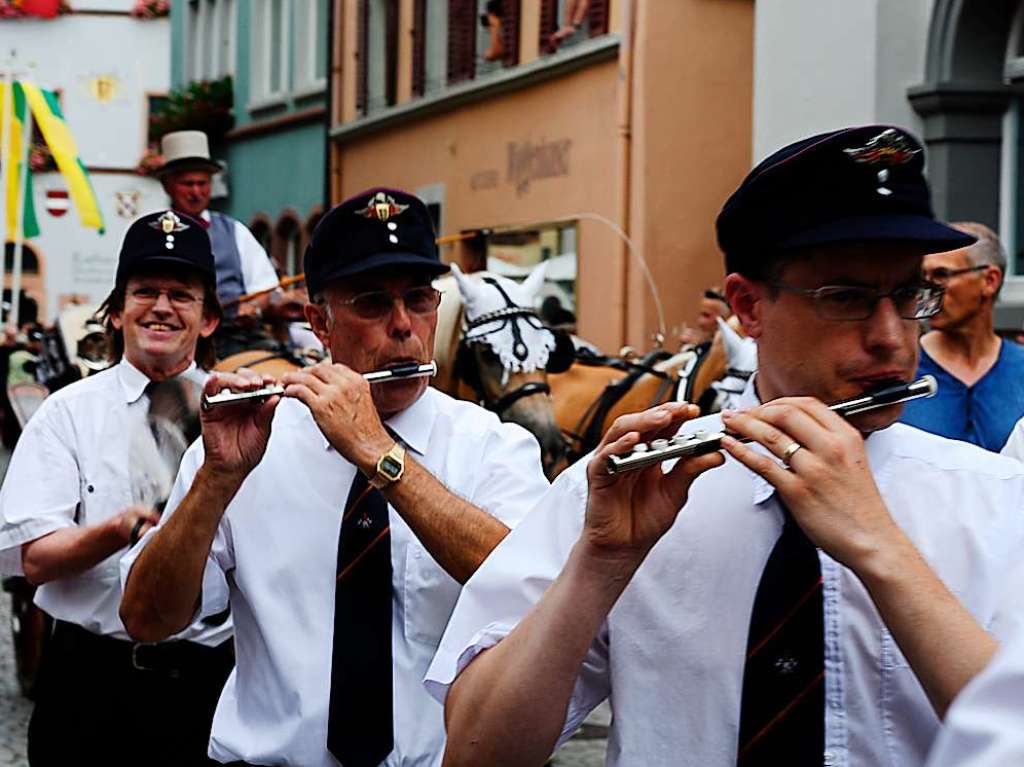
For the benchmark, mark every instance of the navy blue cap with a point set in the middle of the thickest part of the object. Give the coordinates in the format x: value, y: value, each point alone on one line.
x: 853, y: 185
x: 375, y: 229
x: 166, y: 238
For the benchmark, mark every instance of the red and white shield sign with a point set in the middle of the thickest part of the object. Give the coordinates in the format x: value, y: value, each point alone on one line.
x: 57, y: 202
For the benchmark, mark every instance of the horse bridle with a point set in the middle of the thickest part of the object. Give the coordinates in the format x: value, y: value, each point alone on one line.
x: 502, y: 318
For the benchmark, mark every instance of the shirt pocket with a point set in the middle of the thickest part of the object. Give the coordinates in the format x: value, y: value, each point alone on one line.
x: 430, y: 596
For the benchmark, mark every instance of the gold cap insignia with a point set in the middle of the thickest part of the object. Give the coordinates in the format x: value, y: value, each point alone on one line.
x: 169, y: 223
x: 890, y: 147
x: 381, y: 207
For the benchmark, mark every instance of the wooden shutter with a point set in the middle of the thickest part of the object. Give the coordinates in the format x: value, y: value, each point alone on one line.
x: 362, y: 58
x: 462, y: 21
x: 419, y: 47
x: 391, y: 52
x: 548, y: 24
x: 510, y: 32
x: 597, y: 17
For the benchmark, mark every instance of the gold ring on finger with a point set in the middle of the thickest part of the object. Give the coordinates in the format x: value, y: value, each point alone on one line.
x: 789, y: 452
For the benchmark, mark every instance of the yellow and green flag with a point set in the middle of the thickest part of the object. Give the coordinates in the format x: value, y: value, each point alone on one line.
x: 50, y: 119
x: 18, y: 107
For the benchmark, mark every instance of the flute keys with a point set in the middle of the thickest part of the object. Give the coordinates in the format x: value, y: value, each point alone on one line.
x: 641, y: 448
x: 659, y: 444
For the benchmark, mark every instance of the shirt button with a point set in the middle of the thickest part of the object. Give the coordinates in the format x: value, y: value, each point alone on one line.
x: 830, y: 759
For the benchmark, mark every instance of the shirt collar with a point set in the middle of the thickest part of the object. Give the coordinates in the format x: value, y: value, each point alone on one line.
x: 134, y: 381
x: 412, y: 425
x: 878, y: 447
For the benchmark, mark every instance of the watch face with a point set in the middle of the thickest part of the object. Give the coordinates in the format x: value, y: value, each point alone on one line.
x: 390, y: 466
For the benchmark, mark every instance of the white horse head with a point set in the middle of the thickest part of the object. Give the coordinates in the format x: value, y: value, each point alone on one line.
x: 504, y: 352
x: 499, y: 313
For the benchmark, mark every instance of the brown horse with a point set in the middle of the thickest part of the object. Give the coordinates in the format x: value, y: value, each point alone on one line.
x: 593, y: 393
x: 597, y: 390
x: 487, y: 351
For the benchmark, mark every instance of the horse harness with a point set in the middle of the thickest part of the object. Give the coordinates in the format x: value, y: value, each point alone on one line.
x: 509, y: 317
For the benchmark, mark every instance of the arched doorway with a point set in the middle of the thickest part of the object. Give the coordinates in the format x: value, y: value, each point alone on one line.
x: 963, y: 103
x: 972, y: 125
x: 286, y: 248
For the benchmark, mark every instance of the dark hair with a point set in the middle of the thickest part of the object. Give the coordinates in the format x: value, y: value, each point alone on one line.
x: 206, y: 348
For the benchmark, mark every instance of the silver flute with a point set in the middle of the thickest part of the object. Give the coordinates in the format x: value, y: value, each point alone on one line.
x: 402, y: 370
x: 703, y: 442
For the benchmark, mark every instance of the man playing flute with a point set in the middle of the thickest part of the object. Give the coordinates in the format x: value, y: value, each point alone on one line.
x: 818, y: 597
x: 340, y: 520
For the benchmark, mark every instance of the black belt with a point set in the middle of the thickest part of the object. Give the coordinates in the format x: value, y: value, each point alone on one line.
x: 174, y: 657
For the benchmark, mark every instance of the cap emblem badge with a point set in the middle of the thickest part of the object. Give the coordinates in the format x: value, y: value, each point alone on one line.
x: 381, y: 207
x: 890, y: 147
x: 169, y: 223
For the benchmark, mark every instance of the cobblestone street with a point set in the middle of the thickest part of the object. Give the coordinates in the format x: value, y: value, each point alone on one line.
x: 14, y: 709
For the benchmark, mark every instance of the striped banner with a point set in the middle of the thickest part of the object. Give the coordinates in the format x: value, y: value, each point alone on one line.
x: 29, y: 225
x: 47, y: 113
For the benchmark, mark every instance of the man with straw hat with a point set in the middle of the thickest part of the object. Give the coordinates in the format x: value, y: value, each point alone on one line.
x: 242, y: 264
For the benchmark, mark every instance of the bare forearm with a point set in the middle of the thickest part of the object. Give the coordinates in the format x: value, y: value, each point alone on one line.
x: 165, y: 583
x: 943, y: 643
x: 508, y: 707
x: 455, y: 532
x: 70, y: 551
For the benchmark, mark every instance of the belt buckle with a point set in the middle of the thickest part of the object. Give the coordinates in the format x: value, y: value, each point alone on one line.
x: 138, y: 665
x: 135, y: 657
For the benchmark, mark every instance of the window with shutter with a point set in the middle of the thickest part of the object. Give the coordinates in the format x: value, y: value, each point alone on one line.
x: 548, y: 24
x: 419, y: 47
x: 362, y: 58
x: 462, y: 21
x: 597, y: 17
x: 391, y: 52
x: 510, y: 32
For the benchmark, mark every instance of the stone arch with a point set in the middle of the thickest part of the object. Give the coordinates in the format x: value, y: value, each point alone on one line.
x: 287, y: 243
x: 262, y: 230
x: 962, y: 104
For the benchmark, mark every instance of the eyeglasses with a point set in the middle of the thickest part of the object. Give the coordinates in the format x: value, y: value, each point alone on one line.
x: 377, y: 304
x: 179, y: 298
x: 941, y: 275
x: 848, y: 302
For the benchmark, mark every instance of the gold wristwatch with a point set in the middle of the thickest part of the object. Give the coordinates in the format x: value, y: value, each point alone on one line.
x: 390, y: 467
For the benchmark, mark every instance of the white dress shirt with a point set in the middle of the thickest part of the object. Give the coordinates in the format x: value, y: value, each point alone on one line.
x: 671, y: 653
x: 985, y: 725
x: 275, y: 559
x: 77, y: 463
x: 257, y: 271
x: 1014, y: 446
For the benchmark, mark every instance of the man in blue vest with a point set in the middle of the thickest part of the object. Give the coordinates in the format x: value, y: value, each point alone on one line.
x: 242, y: 264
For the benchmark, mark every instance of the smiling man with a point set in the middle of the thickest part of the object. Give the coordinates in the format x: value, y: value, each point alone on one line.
x: 817, y: 596
x: 340, y: 538
x: 71, y: 504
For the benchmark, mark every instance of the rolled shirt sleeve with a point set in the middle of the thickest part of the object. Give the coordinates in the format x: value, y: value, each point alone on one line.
x: 510, y: 477
x: 513, y: 579
x: 42, y: 488
x: 257, y: 271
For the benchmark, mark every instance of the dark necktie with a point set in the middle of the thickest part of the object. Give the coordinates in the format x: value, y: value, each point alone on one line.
x: 782, y: 720
x: 360, y: 725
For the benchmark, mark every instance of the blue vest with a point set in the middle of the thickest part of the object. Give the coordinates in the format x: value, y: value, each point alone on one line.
x: 226, y: 259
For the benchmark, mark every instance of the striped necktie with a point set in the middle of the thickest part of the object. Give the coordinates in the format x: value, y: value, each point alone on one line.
x: 360, y: 725
x: 782, y: 720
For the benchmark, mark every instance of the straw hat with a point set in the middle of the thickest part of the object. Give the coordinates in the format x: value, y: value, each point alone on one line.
x: 186, y: 150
